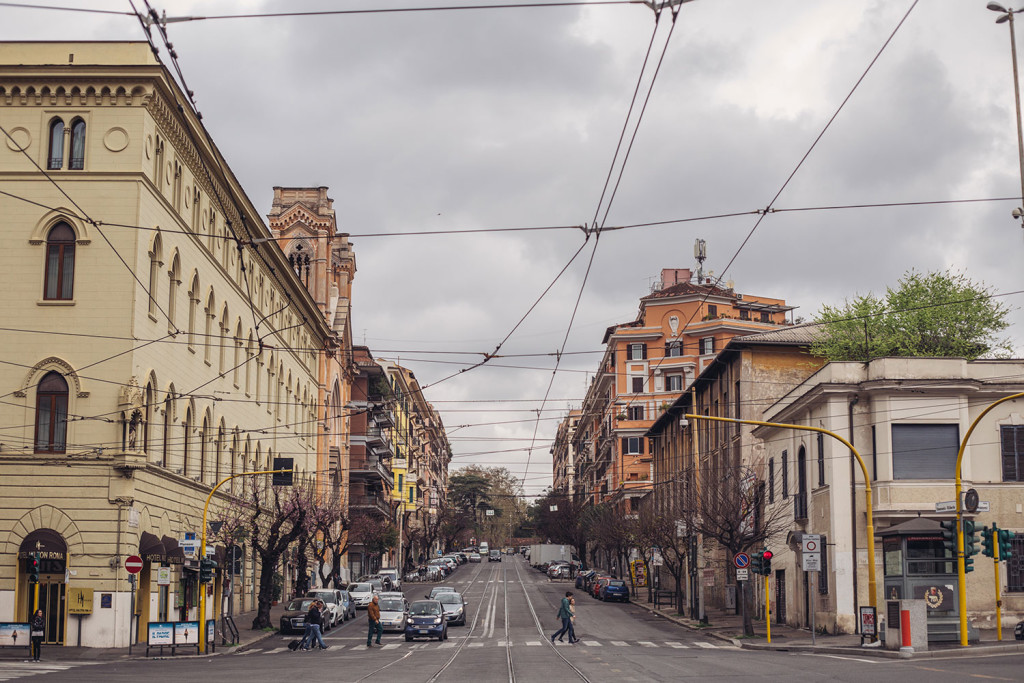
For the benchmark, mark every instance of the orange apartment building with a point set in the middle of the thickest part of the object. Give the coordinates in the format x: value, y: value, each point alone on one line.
x: 681, y: 325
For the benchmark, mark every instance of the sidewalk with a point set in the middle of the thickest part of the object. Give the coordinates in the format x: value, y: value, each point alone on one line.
x: 729, y: 627
x: 55, y: 653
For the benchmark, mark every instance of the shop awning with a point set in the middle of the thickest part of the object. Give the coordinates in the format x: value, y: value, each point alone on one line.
x: 151, y: 548
x: 47, y: 543
x: 173, y: 554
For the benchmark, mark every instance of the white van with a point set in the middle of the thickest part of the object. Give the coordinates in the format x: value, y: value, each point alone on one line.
x: 484, y: 550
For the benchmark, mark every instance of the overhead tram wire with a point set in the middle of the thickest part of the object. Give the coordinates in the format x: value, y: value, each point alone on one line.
x: 622, y: 168
x: 770, y: 207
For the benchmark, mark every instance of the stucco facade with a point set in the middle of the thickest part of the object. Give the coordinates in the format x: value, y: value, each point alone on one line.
x: 173, y: 349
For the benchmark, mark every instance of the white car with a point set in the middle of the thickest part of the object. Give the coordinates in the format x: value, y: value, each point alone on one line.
x: 332, y: 601
x: 362, y: 594
x: 392, y: 573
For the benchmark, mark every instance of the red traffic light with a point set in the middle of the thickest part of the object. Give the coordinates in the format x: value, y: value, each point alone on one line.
x: 767, y: 554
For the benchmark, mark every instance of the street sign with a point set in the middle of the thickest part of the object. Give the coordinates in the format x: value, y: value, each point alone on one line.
x: 163, y: 576
x: 741, y: 560
x: 811, y: 543
x: 742, y: 574
x: 133, y: 564
x: 950, y: 506
x: 812, y: 562
x: 971, y: 500
x: 490, y: 513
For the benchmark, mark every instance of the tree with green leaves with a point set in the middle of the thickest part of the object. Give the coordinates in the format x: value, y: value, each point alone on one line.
x: 937, y: 314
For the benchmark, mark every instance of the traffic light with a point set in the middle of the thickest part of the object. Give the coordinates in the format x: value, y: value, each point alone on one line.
x: 33, y: 568
x: 756, y: 564
x: 766, y: 562
x: 949, y: 535
x: 206, y: 567
x: 970, y: 545
x: 987, y: 544
x: 1006, y: 544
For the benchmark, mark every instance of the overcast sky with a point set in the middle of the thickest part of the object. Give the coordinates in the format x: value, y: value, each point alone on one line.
x: 500, y: 118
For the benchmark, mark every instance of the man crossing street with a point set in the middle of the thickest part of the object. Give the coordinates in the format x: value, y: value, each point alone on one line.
x: 373, y: 616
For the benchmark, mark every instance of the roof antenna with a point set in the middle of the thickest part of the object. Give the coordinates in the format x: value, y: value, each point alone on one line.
x: 700, y: 252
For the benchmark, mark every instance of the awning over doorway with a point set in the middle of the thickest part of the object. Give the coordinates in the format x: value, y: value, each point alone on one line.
x: 151, y: 548
x: 46, y: 542
x: 173, y: 554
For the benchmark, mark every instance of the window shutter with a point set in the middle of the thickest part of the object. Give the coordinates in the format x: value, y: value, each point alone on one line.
x: 924, y: 451
x: 823, y: 574
x: 625, y: 445
x: 1010, y: 436
x: 643, y: 351
x: 642, y: 447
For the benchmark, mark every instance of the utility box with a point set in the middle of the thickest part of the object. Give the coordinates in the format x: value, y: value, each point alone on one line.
x: 906, y: 625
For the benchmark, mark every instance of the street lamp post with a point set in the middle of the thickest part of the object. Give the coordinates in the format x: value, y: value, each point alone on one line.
x: 1007, y: 16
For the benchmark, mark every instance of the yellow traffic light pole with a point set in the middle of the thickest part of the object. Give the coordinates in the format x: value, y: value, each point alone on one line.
x: 202, y: 550
x: 999, y: 598
x: 872, y: 586
x: 961, y: 574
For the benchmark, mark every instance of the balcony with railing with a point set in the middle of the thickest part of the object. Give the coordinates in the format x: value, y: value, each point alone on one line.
x: 369, y: 469
x: 370, y: 502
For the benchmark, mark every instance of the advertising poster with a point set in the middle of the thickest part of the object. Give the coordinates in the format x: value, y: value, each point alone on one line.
x: 186, y: 633
x: 160, y: 633
x: 12, y: 635
x: 211, y: 630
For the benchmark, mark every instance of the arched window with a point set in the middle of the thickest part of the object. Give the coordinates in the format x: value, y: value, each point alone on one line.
x: 193, y: 311
x: 51, y: 414
x: 211, y: 315
x: 147, y: 413
x: 154, y: 273
x: 234, y: 460
x: 174, y: 279
x: 237, y: 341
x: 55, y: 158
x: 77, y: 145
x: 202, y: 449
x: 60, y: 263
x: 166, y: 433
x: 218, y: 448
x: 187, y: 429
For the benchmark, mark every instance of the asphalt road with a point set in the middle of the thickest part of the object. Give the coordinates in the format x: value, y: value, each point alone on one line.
x: 511, y: 615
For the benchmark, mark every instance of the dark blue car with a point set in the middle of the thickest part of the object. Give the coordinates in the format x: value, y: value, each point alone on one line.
x: 615, y: 590
x: 426, y: 620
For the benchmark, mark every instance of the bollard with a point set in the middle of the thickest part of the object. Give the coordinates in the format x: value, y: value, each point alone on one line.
x: 907, y: 649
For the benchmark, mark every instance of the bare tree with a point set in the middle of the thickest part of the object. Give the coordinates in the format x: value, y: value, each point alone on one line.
x: 328, y: 523
x: 667, y: 525
x: 727, y: 507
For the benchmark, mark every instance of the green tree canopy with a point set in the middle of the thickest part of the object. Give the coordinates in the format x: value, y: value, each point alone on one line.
x: 937, y: 314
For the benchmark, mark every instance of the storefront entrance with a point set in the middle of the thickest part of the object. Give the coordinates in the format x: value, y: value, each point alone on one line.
x: 49, y: 548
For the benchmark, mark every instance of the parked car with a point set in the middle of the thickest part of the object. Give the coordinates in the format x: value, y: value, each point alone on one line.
x: 598, y: 585
x: 454, y: 607
x: 294, y: 618
x: 393, y: 575
x: 437, y: 590
x: 333, y: 614
x: 426, y: 620
x: 362, y: 593
x: 494, y: 556
x: 442, y: 565
x: 615, y: 589
x: 452, y: 562
x: 463, y: 558
x: 474, y: 557
x: 348, y: 605
x: 582, y: 577
x: 552, y: 569
x: 394, y: 611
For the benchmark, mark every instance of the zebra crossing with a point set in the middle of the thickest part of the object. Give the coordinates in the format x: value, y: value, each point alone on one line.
x: 451, y: 644
x: 10, y: 671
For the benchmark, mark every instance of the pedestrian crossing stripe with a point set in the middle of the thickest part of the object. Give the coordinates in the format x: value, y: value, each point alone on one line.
x: 477, y: 644
x: 10, y: 671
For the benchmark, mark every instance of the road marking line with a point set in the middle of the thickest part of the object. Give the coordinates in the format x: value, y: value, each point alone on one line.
x: 276, y: 649
x: 445, y: 646
x: 252, y: 652
x: 533, y: 643
x: 477, y: 644
x: 390, y: 646
x: 706, y: 646
x: 620, y: 643
x: 591, y: 643
x: 646, y: 643
x: 503, y: 643
x: 678, y: 646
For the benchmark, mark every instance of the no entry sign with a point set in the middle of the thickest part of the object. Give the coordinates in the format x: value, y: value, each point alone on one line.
x: 133, y: 564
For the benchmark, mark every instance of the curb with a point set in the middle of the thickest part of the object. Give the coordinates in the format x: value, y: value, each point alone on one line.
x: 686, y: 624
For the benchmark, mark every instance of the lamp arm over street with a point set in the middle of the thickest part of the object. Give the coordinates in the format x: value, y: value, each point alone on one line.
x: 872, y: 585
x: 202, y: 547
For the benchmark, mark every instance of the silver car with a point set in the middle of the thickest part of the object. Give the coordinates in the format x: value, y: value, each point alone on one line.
x: 394, y: 611
x: 362, y: 594
x: 454, y: 608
